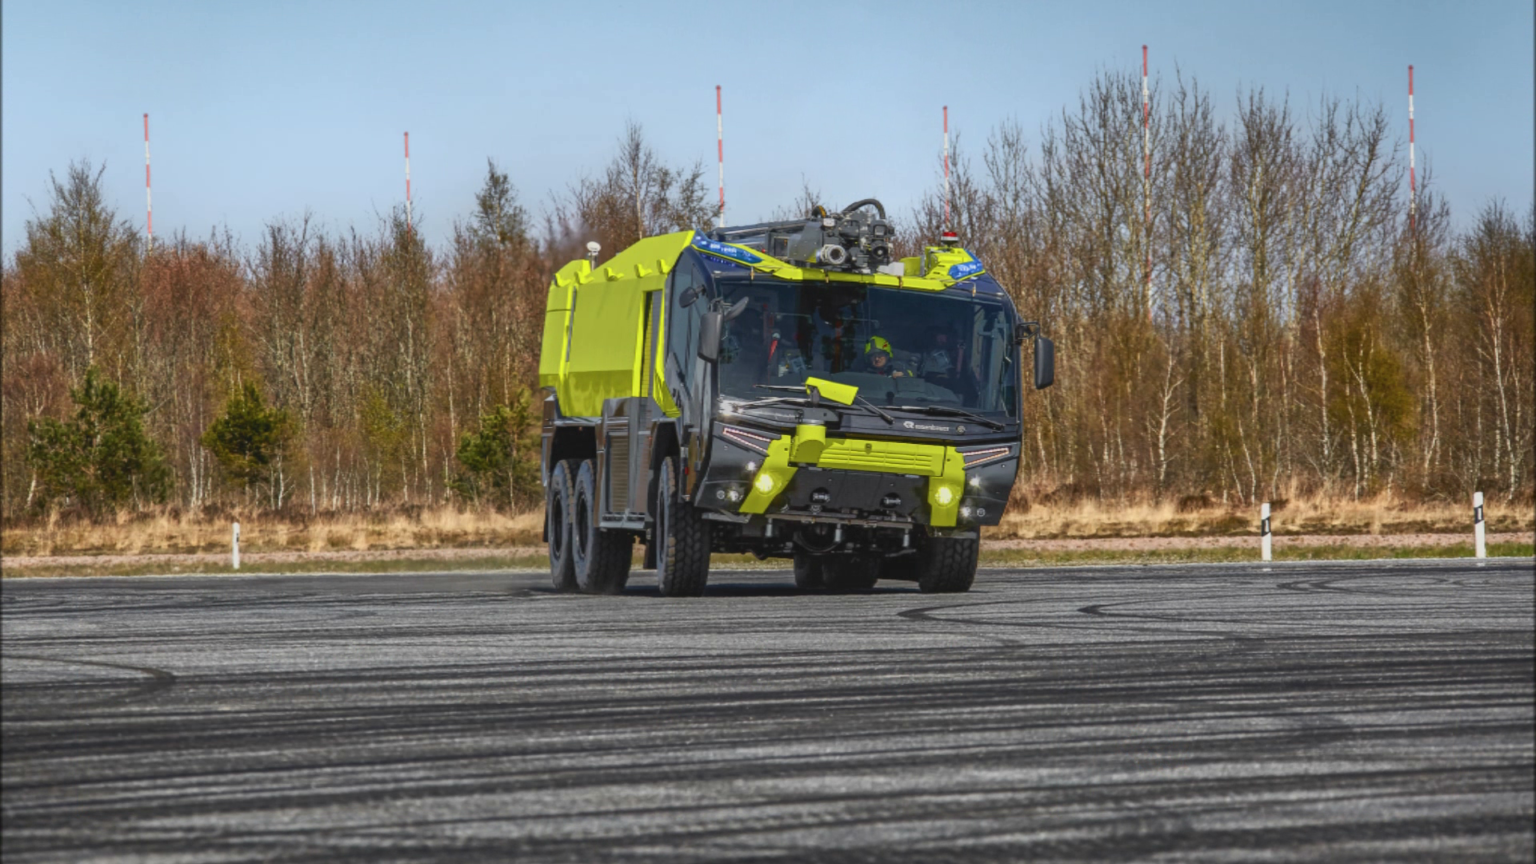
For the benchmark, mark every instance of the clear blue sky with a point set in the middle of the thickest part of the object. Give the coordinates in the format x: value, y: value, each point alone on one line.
x: 263, y: 110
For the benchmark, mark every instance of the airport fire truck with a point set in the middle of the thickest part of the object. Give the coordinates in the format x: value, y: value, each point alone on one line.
x: 783, y: 389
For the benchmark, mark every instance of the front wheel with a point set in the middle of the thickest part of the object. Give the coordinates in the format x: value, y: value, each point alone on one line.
x: 682, y: 538
x: 947, y: 565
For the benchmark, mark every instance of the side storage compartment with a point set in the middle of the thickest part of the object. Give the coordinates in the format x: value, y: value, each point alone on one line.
x: 624, y: 443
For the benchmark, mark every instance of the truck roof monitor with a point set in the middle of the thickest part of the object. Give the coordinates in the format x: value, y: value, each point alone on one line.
x: 853, y: 239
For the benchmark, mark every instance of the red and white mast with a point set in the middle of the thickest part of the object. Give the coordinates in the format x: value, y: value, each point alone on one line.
x: 946, y: 167
x: 1146, y: 176
x: 1413, y: 190
x: 408, y: 225
x: 720, y: 150
x: 149, y: 203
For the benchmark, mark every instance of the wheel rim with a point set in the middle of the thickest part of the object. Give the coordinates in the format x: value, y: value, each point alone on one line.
x: 555, y: 524
x: 583, y: 522
x: 662, y: 541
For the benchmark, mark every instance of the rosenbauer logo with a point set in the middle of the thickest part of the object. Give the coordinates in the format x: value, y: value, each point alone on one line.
x: 724, y: 250
x: 927, y: 427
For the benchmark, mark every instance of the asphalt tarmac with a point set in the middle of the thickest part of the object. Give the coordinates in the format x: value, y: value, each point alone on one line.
x: 1340, y: 712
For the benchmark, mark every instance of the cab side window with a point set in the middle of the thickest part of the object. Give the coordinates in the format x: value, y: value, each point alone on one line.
x: 680, y: 322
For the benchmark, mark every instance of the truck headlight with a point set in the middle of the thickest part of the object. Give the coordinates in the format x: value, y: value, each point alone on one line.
x: 764, y: 483
x: 943, y: 495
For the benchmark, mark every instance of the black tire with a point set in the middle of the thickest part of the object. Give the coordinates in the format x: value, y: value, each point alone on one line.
x: 557, y: 512
x: 600, y: 558
x: 808, y: 575
x: 903, y: 568
x: 682, y: 538
x: 850, y: 572
x: 947, y: 565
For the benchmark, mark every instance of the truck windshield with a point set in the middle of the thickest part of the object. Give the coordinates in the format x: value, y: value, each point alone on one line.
x: 899, y: 347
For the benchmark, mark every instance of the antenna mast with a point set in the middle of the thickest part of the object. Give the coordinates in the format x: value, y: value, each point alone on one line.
x: 1413, y: 189
x: 720, y: 149
x: 1146, y: 177
x: 149, y: 204
x: 946, y: 167
x: 408, y: 224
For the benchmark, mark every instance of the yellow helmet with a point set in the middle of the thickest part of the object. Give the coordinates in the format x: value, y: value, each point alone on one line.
x: 877, y: 343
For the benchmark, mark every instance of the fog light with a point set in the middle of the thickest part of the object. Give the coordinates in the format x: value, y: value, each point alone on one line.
x: 751, y: 467
x: 764, y: 483
x: 733, y: 495
x: 975, y: 482
x: 965, y: 512
x: 944, y: 495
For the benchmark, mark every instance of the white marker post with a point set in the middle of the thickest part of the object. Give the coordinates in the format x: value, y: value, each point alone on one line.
x: 1264, y: 530
x: 234, y: 547
x: 1477, y: 525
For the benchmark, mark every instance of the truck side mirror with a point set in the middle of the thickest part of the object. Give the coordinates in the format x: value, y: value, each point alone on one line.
x: 1045, y: 362
x: 709, y: 335
x: 712, y: 326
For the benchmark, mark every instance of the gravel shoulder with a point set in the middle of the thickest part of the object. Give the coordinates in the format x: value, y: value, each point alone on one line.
x: 532, y: 555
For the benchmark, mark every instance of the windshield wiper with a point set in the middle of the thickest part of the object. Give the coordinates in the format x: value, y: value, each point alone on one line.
x: 947, y: 411
x: 774, y: 400
x: 859, y: 400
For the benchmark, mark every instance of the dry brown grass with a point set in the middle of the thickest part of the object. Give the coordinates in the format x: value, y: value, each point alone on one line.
x: 1193, y: 517
x: 166, y: 531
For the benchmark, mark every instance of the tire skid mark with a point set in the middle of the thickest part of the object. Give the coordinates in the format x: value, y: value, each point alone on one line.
x: 1007, y: 727
x: 160, y: 679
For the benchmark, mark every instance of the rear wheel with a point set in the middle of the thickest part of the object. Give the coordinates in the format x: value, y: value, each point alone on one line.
x: 681, y: 537
x: 557, y: 512
x: 850, y: 572
x: 600, y: 557
x: 808, y: 575
x: 947, y: 565
x: 902, y: 568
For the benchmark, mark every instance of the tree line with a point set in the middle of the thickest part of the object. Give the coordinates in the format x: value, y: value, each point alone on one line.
x: 1256, y: 317
x: 1264, y: 312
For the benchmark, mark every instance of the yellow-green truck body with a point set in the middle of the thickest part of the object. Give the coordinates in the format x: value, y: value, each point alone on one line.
x: 805, y: 410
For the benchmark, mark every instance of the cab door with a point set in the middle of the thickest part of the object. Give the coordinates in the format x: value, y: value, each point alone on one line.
x: 689, y: 292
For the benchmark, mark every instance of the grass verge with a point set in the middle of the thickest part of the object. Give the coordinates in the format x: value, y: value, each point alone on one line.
x: 1243, y: 554
x: 989, y: 558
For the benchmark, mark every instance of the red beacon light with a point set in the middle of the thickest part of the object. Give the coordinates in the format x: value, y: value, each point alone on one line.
x: 949, y: 238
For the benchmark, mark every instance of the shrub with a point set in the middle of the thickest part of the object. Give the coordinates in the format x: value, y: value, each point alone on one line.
x: 501, y: 459
x: 250, y: 440
x: 101, y: 458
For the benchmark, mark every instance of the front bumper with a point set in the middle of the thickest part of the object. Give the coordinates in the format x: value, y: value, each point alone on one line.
x: 807, y: 475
